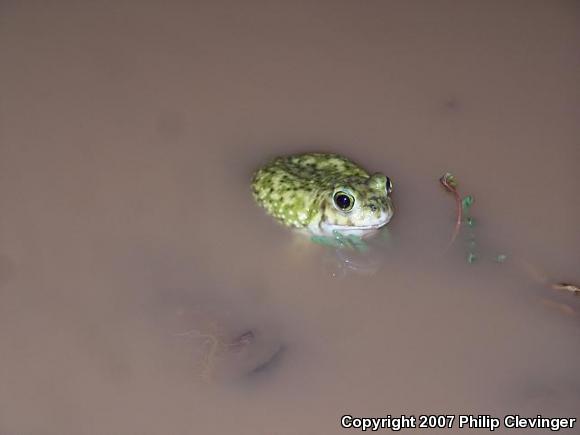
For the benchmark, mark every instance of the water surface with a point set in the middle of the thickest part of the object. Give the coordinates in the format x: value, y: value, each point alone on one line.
x: 129, y: 239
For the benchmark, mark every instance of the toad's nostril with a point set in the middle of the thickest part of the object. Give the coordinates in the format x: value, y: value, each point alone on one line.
x: 373, y: 207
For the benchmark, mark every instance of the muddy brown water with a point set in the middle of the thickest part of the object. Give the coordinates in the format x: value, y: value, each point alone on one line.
x: 130, y: 245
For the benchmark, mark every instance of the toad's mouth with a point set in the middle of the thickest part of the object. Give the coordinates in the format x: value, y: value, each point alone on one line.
x: 357, y: 228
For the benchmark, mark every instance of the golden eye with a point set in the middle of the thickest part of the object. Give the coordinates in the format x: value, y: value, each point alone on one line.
x: 343, y: 201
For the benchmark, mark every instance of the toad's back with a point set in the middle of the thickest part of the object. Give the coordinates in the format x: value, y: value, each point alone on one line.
x: 291, y: 187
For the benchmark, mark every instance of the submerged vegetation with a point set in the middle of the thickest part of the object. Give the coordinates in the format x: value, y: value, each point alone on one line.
x: 463, y: 216
x: 341, y: 241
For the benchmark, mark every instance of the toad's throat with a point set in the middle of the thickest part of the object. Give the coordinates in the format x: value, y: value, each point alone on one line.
x: 355, y: 227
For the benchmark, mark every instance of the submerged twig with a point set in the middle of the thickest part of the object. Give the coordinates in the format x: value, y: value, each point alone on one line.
x: 563, y: 308
x: 568, y: 287
x: 242, y: 341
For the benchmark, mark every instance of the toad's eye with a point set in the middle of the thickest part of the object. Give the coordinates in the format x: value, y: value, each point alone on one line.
x: 389, y: 185
x: 343, y: 201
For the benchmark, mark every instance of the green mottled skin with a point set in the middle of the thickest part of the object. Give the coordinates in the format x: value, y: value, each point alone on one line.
x: 299, y: 191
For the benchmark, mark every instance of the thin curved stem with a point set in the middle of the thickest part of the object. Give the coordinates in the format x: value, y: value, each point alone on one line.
x: 449, y: 183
